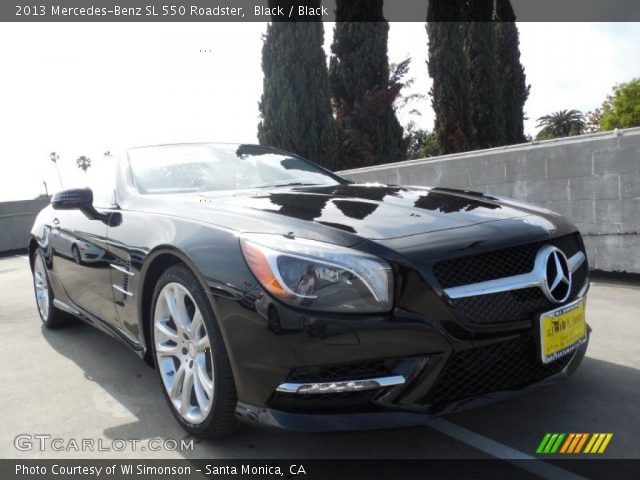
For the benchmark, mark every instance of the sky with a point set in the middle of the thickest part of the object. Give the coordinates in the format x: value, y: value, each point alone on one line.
x: 84, y: 88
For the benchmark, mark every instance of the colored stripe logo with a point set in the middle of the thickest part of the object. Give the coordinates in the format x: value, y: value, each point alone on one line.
x: 574, y: 443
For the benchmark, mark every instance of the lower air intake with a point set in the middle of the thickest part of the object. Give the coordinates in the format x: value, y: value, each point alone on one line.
x: 499, y: 366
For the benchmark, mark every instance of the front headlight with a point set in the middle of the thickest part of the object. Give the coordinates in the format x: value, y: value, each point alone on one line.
x: 319, y: 276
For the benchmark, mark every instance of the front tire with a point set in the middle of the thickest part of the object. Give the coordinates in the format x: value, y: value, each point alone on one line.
x: 51, y: 317
x: 75, y: 253
x: 190, y: 356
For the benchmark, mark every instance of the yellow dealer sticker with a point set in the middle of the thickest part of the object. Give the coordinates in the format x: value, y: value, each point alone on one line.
x: 562, y: 331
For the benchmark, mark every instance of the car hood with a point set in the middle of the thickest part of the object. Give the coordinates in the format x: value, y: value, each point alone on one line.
x: 372, y: 212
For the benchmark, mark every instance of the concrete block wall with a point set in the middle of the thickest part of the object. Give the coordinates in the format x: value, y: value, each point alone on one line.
x: 16, y: 220
x: 592, y: 179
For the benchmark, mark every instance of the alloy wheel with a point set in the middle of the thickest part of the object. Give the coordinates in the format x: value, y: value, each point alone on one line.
x: 183, y: 353
x: 41, y: 287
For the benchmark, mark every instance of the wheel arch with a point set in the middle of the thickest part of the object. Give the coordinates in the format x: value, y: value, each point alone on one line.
x: 158, y: 261
x: 31, y: 250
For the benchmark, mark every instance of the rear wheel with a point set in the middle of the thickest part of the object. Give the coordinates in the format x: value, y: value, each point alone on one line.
x: 190, y: 356
x: 51, y: 317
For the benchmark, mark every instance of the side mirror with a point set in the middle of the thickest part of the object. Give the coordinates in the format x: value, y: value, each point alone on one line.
x: 78, y: 199
x: 72, y: 199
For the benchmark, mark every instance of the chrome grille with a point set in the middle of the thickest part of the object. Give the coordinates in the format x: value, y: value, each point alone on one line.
x: 499, y: 263
x: 511, y: 306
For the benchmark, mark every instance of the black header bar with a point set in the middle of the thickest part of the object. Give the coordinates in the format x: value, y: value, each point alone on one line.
x: 258, y: 11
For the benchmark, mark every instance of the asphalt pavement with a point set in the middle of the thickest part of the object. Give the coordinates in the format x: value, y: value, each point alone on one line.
x: 78, y: 383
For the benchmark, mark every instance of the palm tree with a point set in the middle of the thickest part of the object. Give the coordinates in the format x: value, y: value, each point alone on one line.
x: 563, y: 123
x: 54, y: 157
x: 84, y: 163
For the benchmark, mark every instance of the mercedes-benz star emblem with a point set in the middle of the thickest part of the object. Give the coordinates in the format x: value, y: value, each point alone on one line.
x: 557, y: 276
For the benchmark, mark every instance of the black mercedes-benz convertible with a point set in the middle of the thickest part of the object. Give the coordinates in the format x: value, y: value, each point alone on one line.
x: 265, y: 288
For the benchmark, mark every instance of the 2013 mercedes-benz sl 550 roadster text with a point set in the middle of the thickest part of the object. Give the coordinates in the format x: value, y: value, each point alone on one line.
x: 265, y: 288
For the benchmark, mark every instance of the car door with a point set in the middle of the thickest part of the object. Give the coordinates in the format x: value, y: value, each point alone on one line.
x: 80, y: 249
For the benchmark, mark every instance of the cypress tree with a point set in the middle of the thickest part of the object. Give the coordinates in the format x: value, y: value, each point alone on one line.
x: 368, y: 131
x: 480, y: 51
x: 513, y: 90
x: 449, y: 93
x: 295, y: 107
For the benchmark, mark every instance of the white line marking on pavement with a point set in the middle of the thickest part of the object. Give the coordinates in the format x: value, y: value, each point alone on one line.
x: 501, y: 451
x: 23, y: 256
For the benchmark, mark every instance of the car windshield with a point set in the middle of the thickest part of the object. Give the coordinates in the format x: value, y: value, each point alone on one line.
x: 213, y: 167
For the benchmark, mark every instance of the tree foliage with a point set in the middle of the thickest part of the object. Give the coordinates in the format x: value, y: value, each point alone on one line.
x: 622, y: 107
x: 446, y: 64
x: 54, y: 157
x: 592, y: 120
x: 479, y: 86
x: 295, y: 107
x: 405, y: 100
x: 362, y: 87
x: 420, y: 143
x: 563, y: 123
x: 486, y: 112
x: 83, y: 162
x: 513, y: 90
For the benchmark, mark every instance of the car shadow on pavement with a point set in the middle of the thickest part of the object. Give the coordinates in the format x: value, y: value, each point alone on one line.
x: 602, y: 397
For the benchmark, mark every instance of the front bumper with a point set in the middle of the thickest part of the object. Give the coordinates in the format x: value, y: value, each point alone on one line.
x: 389, y: 413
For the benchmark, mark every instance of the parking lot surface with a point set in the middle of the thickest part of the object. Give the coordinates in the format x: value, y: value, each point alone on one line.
x: 78, y: 383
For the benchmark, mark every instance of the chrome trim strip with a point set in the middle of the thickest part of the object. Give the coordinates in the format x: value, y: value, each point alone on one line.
x: 391, y: 381
x: 122, y: 290
x: 516, y: 282
x: 63, y: 306
x: 576, y: 261
x: 121, y: 269
x: 342, y: 386
x: 535, y: 278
